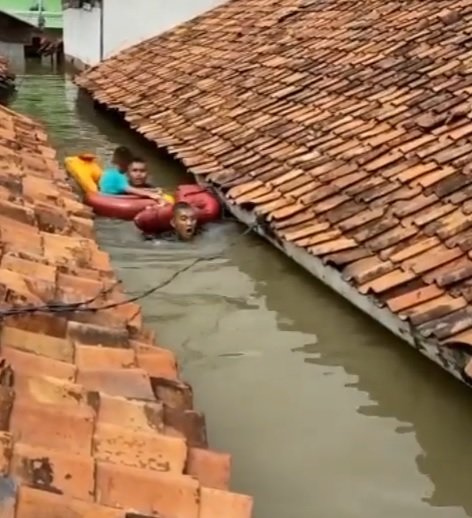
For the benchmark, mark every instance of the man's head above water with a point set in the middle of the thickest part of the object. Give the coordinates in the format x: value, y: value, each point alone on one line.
x: 121, y: 158
x: 184, y: 221
x: 137, y: 172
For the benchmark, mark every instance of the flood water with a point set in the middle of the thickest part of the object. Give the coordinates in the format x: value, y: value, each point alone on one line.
x: 326, y: 414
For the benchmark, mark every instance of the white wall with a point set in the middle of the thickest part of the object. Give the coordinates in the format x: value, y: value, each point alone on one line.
x: 82, y: 35
x: 128, y: 23
x: 125, y: 23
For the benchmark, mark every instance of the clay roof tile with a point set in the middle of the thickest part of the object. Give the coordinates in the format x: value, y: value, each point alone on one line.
x: 373, y: 107
x: 88, y: 400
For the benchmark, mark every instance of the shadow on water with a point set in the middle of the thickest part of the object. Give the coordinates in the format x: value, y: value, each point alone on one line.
x: 326, y: 414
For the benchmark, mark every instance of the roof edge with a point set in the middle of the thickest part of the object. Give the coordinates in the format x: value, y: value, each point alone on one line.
x: 19, y: 20
x: 453, y: 360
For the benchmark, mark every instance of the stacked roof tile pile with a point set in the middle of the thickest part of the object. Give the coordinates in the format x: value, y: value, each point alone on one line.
x: 347, y: 125
x: 94, y: 420
x: 6, y: 77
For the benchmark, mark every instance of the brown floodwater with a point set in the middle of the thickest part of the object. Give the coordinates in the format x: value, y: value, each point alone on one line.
x: 326, y: 414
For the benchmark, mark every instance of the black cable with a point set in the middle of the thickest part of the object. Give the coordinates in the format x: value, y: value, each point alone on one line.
x: 57, y: 307
x: 83, y: 306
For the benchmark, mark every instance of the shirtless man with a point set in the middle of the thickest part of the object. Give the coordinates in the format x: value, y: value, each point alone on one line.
x: 184, y: 221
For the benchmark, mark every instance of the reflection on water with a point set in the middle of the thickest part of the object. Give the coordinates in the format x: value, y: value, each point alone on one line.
x: 326, y: 414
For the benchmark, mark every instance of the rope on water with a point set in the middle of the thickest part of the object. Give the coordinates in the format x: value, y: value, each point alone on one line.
x: 85, y: 305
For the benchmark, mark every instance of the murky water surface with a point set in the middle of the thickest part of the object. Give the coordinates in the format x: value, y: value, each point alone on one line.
x: 326, y: 414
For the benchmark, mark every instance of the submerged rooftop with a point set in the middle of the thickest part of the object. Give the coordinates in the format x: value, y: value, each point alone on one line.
x: 343, y: 128
x: 94, y: 419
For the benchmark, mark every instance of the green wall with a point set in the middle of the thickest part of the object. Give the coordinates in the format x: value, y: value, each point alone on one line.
x: 21, y: 9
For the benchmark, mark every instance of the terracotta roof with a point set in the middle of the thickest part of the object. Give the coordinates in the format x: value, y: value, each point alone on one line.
x: 94, y: 419
x: 346, y: 125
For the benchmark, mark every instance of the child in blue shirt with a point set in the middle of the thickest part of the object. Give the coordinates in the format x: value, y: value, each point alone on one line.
x: 115, y: 181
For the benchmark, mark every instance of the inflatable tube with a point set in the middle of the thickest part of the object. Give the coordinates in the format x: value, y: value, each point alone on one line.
x: 121, y: 207
x: 204, y: 203
x: 155, y: 219
x: 85, y: 170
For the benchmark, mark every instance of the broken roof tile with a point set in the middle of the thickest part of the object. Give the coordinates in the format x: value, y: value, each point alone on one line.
x: 70, y: 384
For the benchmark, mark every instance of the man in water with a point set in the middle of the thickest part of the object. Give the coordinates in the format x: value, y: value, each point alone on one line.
x: 138, y: 174
x: 115, y: 181
x: 184, y: 221
x: 138, y: 177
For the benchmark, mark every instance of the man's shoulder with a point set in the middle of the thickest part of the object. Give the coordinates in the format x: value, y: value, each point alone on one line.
x: 111, y: 171
x: 114, y: 176
x: 113, y: 182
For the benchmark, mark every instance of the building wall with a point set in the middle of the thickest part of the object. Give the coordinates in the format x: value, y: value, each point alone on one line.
x: 128, y: 23
x: 124, y: 24
x: 15, y: 31
x: 82, y: 36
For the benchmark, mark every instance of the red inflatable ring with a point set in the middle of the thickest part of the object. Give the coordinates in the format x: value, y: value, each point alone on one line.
x: 156, y: 219
x: 121, y: 207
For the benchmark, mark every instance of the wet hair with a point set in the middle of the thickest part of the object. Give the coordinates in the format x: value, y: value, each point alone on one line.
x: 122, y: 155
x: 181, y: 205
x: 137, y: 159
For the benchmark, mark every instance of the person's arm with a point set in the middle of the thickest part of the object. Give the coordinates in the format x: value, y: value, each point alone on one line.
x: 150, y: 188
x: 144, y: 193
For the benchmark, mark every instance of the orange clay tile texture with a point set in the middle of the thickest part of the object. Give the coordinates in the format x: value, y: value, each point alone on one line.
x: 345, y: 125
x: 89, y: 404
